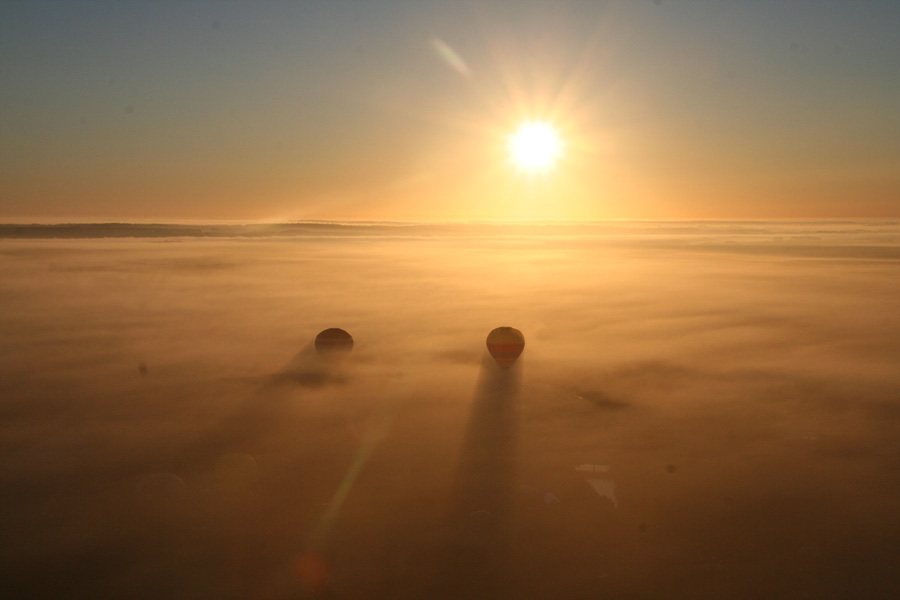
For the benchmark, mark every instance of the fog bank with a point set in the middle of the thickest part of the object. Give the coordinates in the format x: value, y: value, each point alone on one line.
x: 702, y: 410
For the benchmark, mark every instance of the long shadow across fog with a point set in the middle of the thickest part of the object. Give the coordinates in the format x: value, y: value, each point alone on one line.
x: 251, y: 421
x: 265, y: 409
x: 248, y: 424
x: 473, y: 561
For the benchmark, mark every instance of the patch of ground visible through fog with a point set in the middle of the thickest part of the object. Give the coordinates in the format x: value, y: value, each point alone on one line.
x: 704, y: 411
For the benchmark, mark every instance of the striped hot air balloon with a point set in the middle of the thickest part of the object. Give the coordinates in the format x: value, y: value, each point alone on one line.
x: 505, y: 344
x: 334, y: 343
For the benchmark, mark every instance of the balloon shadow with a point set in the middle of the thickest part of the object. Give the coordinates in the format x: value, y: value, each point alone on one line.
x: 309, y: 368
x: 483, y: 494
x: 259, y: 414
x: 266, y: 409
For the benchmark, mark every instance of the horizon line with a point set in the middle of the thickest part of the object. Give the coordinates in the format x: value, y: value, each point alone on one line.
x: 51, y: 222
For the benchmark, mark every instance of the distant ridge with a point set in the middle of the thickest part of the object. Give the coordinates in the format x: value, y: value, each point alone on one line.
x: 165, y: 230
x: 870, y: 237
x: 316, y: 229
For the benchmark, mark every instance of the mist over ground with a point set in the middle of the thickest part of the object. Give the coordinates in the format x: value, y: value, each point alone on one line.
x: 702, y: 410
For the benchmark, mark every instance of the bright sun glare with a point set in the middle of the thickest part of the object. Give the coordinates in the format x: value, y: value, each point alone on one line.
x: 534, y: 147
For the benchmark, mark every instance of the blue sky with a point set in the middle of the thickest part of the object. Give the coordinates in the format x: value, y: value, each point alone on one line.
x: 346, y: 110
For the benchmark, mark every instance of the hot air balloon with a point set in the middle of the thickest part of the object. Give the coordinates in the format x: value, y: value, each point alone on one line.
x: 334, y: 343
x: 505, y: 344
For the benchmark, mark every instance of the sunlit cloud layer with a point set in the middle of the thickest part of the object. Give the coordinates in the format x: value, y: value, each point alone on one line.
x: 700, y: 410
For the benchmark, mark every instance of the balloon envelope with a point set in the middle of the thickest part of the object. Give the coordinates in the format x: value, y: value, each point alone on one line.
x: 505, y: 344
x: 334, y: 343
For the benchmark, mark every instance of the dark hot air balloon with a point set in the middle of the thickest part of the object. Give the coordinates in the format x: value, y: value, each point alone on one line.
x: 334, y: 343
x: 505, y: 344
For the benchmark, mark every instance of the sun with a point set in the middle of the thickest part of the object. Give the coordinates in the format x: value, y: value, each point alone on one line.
x: 534, y: 147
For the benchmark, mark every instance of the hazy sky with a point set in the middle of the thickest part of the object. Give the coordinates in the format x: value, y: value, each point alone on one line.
x: 401, y: 109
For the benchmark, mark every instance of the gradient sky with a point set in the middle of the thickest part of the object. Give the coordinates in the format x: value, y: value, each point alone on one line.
x: 400, y: 109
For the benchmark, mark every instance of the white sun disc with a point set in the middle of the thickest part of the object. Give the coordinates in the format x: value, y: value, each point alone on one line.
x: 535, y: 146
